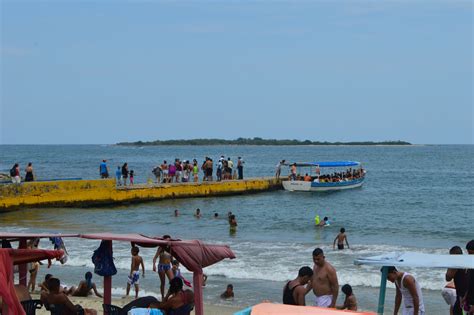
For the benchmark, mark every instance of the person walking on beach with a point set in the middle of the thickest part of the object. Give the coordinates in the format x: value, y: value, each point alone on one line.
x: 103, y: 171
x: 340, y: 238
x: 294, y: 291
x: 460, y: 278
x: 134, y: 276
x: 125, y: 173
x: 408, y: 290
x: 240, y: 167
x: 324, y: 283
x: 15, y: 174
x: 29, y: 176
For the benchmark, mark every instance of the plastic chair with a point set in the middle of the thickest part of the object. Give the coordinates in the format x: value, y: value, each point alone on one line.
x: 30, y: 306
x: 57, y: 309
x: 110, y: 309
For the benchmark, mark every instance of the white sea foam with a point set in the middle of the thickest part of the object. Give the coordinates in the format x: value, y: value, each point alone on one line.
x: 276, y: 261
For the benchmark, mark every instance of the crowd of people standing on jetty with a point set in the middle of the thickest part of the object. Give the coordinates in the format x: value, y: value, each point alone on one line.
x: 182, y: 171
x: 323, y: 281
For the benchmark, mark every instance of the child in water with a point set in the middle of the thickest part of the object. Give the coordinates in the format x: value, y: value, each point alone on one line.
x: 350, y: 302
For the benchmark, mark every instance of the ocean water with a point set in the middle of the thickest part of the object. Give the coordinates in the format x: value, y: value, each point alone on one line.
x: 417, y: 198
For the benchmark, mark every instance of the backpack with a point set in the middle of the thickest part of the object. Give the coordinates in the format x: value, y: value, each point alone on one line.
x: 13, y: 172
x: 103, y: 261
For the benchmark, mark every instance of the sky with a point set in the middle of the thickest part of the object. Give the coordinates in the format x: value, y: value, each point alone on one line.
x: 102, y: 72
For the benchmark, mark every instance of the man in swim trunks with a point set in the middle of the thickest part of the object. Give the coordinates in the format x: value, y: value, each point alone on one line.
x: 460, y: 278
x: 324, y: 282
x: 340, y: 238
x: 134, y: 277
x: 294, y: 291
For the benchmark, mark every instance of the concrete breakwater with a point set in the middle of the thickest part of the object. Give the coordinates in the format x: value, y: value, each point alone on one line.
x: 82, y: 193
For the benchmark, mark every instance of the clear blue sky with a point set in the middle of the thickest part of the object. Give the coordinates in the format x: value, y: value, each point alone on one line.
x: 110, y: 71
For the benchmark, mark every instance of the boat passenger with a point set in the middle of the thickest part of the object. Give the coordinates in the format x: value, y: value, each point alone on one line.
x: 307, y: 178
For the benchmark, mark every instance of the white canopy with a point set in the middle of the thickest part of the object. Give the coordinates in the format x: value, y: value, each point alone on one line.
x: 411, y: 259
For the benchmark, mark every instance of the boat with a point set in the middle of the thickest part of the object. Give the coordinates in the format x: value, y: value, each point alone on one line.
x: 324, y: 176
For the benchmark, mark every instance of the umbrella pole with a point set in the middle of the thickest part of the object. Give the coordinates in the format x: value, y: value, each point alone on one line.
x: 108, y: 282
x: 22, y: 272
x: 383, y: 287
x: 198, y: 298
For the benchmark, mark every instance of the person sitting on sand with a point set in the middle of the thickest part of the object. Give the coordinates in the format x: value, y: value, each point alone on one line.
x: 60, y: 300
x: 177, y: 301
x: 340, y: 238
x: 86, y: 286
x: 44, y: 286
x: 350, y: 302
x: 228, y: 293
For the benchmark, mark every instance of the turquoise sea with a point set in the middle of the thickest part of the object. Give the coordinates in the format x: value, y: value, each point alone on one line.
x: 417, y: 198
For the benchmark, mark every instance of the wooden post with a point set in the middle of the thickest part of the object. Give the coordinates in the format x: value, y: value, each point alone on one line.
x: 108, y: 282
x: 383, y: 287
x: 22, y: 272
x: 198, y: 297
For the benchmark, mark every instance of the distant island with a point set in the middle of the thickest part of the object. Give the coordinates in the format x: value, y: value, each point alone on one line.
x: 255, y: 141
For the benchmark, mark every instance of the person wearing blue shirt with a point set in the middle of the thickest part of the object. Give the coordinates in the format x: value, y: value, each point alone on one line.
x: 104, y: 172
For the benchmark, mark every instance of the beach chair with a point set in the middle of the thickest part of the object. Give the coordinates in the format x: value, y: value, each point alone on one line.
x: 57, y: 309
x: 30, y: 306
x: 110, y: 309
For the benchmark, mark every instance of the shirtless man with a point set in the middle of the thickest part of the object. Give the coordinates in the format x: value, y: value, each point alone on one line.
x: 340, y: 238
x: 324, y: 283
x: 55, y: 297
x: 134, y: 276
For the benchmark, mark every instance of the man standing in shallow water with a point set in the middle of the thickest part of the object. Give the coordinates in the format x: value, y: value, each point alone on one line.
x: 324, y: 282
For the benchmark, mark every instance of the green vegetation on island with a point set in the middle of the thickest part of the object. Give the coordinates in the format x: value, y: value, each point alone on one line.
x: 257, y: 141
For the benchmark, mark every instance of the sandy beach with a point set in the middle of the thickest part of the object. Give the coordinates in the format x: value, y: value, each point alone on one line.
x: 96, y: 304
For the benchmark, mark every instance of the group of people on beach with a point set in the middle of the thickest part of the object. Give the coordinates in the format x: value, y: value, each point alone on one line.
x: 323, y: 281
x: 15, y: 173
x: 459, y: 291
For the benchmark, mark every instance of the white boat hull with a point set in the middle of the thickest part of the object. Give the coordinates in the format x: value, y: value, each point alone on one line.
x: 299, y: 185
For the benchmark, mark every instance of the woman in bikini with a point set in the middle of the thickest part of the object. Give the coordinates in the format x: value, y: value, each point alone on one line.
x: 164, y: 265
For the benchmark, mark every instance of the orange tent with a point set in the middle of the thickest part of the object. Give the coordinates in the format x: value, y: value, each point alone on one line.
x: 282, y: 309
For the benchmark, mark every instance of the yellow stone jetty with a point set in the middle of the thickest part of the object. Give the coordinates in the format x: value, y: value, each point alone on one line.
x: 82, y: 193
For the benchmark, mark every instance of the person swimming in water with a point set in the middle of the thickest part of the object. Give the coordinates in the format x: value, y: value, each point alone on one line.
x: 324, y: 222
x: 85, y: 287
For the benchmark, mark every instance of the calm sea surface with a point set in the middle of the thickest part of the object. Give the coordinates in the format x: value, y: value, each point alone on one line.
x: 417, y: 198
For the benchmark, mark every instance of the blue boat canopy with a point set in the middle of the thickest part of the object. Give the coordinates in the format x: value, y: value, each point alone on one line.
x: 329, y: 164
